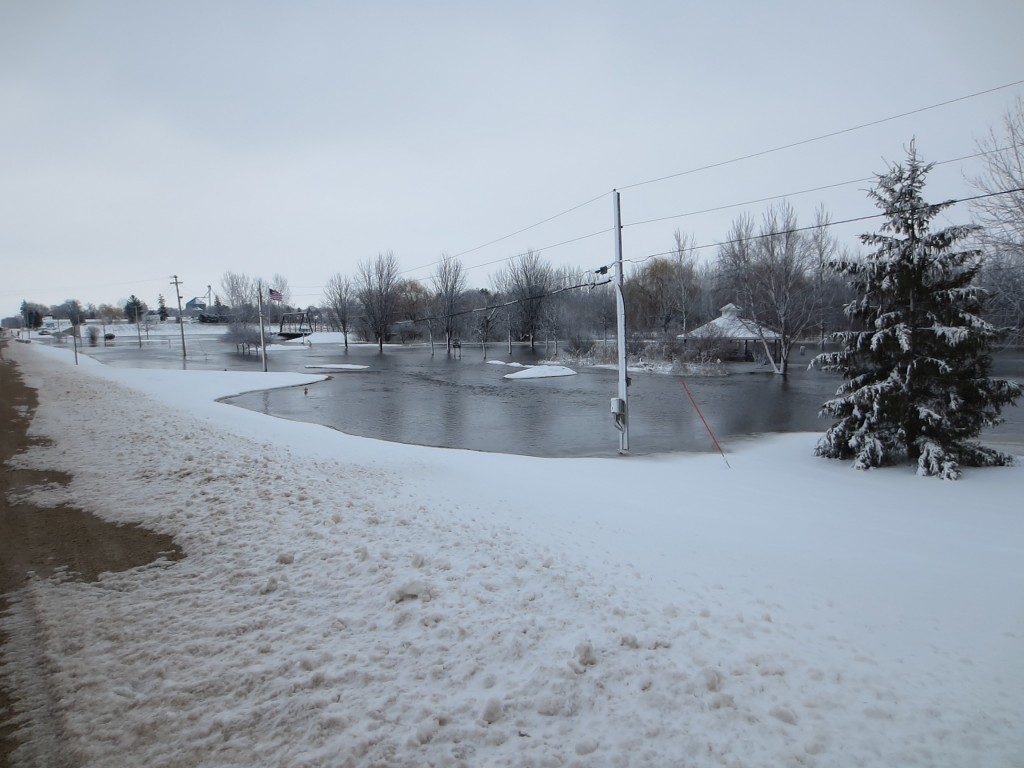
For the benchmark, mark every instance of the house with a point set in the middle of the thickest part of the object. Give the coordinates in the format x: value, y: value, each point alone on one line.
x: 50, y: 325
x: 737, y: 336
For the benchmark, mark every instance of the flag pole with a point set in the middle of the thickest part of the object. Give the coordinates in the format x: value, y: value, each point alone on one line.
x: 263, y: 340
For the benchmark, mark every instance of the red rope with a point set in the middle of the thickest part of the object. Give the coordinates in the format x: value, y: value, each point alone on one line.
x: 706, y: 425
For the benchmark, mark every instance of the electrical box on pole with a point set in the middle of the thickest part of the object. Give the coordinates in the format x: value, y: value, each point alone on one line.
x: 620, y: 404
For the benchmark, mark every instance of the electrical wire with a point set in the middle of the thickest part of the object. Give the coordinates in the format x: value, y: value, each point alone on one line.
x: 822, y: 137
x: 805, y: 191
x: 710, y: 166
x: 794, y: 230
x: 714, y: 209
x: 732, y: 205
x: 722, y: 163
x: 513, y: 234
x: 728, y: 206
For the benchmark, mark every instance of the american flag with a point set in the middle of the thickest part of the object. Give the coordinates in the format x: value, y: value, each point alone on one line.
x: 276, y: 295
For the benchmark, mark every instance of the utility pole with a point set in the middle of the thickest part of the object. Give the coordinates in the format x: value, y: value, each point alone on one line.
x: 181, y: 318
x: 620, y: 404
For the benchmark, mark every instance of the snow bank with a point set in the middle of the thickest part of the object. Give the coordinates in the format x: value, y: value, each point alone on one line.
x: 340, y: 367
x: 502, y: 362
x: 348, y: 602
x: 541, y: 372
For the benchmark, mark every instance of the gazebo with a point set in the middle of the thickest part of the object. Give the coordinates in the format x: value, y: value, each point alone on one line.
x: 742, y: 334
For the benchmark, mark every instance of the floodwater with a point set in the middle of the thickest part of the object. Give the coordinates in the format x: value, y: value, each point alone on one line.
x: 408, y: 395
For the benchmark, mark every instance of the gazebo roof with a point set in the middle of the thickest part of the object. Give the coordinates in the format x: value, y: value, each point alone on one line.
x: 733, y: 327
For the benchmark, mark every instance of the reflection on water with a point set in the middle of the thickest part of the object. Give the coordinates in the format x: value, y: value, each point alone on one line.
x: 408, y: 395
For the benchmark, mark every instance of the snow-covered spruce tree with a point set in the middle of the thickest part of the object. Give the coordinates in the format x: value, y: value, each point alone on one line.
x: 916, y: 363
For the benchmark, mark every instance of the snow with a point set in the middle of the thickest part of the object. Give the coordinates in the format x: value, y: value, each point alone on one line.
x: 340, y: 366
x: 350, y: 602
x: 541, y: 372
x: 502, y: 362
x: 284, y: 347
x: 544, y: 371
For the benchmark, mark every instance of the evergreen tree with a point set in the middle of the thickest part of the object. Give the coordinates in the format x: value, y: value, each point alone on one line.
x: 161, y: 307
x: 134, y: 309
x: 916, y: 372
x: 33, y: 314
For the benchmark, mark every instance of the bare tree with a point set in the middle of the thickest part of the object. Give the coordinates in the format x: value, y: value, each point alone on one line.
x: 687, y: 285
x: 376, y: 286
x: 558, y: 313
x: 69, y: 309
x: 240, y: 293
x: 414, y: 304
x: 714, y: 293
x: 574, y: 315
x: 449, y: 287
x: 602, y: 311
x: 108, y: 313
x: 340, y: 298
x: 485, y: 317
x: 736, y: 261
x: 1002, y: 219
x: 651, y: 298
x: 773, y: 276
x: 831, y: 291
x: 662, y: 292
x: 527, y: 280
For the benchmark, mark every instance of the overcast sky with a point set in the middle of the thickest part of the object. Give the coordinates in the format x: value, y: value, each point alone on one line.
x: 145, y: 139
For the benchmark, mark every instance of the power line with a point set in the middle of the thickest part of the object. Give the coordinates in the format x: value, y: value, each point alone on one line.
x: 712, y: 166
x: 804, y: 191
x: 731, y: 161
x: 795, y: 230
x: 726, y: 207
x: 695, y: 170
x: 543, y: 248
x: 748, y: 202
x: 725, y: 163
x: 511, y: 234
x: 823, y: 136
x: 714, y: 209
x: 532, y: 226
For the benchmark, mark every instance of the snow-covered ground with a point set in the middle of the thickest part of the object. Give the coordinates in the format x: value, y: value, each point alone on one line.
x: 348, y: 602
x: 124, y: 330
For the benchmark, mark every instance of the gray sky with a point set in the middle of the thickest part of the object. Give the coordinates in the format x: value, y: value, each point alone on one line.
x: 144, y: 139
